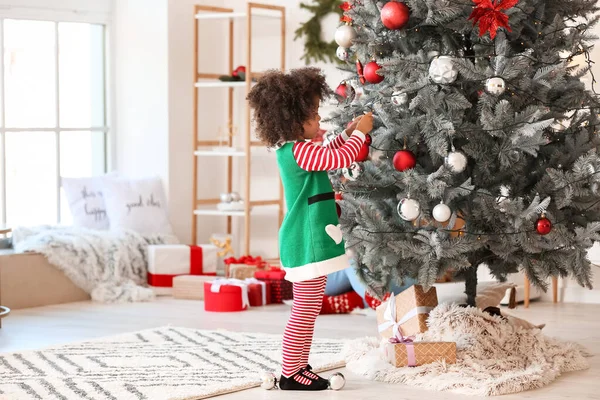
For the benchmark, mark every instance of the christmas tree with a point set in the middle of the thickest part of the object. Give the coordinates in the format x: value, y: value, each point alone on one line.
x: 485, y: 143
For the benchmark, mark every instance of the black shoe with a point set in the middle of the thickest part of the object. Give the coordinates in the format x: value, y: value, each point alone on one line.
x: 320, y: 378
x: 291, y: 384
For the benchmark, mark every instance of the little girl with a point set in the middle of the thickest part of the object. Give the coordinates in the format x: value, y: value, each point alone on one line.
x: 310, y: 240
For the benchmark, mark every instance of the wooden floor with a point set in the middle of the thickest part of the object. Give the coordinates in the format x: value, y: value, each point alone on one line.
x: 40, y: 327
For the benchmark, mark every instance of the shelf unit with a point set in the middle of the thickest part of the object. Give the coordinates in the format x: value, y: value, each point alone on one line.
x: 203, y: 80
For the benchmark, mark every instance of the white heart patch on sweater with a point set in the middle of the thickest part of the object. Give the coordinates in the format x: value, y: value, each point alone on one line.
x: 334, y: 232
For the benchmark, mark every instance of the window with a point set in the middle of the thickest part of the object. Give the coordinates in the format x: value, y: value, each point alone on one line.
x: 53, y: 117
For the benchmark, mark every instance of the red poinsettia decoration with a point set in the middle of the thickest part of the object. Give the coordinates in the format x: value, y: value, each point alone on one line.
x: 490, y: 17
x: 345, y: 6
x: 346, y: 19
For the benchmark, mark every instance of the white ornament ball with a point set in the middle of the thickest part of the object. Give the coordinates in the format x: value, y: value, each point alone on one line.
x: 337, y: 381
x: 226, y: 198
x: 345, y: 35
x: 456, y: 161
x: 495, y: 86
x: 353, y: 172
x: 269, y: 381
x: 441, y: 213
x: 399, y: 98
x: 342, y: 53
x: 442, y: 70
x: 409, y: 209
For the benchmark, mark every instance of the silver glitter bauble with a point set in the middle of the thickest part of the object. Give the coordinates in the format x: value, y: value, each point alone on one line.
x: 337, y: 381
x: 495, y: 86
x: 269, y: 381
x: 235, y: 196
x: 399, y: 98
x: 342, y: 53
x: 353, y: 172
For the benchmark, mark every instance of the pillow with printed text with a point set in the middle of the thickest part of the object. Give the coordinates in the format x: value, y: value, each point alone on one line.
x: 86, y: 201
x: 137, y: 204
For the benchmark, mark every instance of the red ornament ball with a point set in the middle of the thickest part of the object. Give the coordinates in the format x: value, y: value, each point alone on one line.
x: 338, y: 196
x: 368, y: 139
x: 404, y: 159
x: 371, y: 72
x: 543, y: 226
x: 345, y: 91
x: 239, y: 70
x: 363, y: 154
x: 339, y: 210
x: 394, y: 15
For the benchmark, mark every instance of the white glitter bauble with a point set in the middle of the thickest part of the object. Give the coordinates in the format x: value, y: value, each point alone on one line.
x: 442, y: 70
x: 337, y: 381
x: 495, y: 85
x: 456, y: 161
x: 342, y: 53
x: 441, y: 213
x: 345, y: 35
x: 399, y: 98
x: 353, y: 172
x: 268, y: 381
x: 409, y: 209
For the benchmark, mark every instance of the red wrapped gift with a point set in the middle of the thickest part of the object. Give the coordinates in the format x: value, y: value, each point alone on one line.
x: 226, y: 295
x: 259, y: 292
x: 168, y: 261
x: 280, y: 288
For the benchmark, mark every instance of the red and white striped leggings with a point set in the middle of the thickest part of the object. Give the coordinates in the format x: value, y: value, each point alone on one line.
x: 298, y: 335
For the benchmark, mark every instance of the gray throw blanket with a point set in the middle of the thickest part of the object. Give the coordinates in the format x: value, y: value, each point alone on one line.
x: 110, y: 266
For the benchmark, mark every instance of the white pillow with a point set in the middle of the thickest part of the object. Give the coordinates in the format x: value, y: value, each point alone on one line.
x: 86, y: 200
x: 137, y: 204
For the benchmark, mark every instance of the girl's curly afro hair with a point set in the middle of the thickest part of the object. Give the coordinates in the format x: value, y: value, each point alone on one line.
x: 283, y: 102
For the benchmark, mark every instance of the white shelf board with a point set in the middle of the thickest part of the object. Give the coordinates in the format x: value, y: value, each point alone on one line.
x: 212, y: 211
x: 216, y: 84
x: 210, y: 152
x: 228, y: 15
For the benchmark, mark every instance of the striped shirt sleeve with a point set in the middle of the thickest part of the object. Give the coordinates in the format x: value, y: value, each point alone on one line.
x: 338, y: 141
x: 311, y: 157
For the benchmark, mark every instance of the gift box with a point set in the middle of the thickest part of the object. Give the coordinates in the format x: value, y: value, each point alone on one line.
x: 226, y: 295
x: 190, y: 287
x: 259, y: 292
x: 280, y: 288
x: 413, y: 354
x: 223, y: 242
x: 243, y: 267
x: 167, y: 261
x: 406, y: 313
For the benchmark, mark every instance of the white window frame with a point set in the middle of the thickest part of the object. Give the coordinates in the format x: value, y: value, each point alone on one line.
x: 44, y: 12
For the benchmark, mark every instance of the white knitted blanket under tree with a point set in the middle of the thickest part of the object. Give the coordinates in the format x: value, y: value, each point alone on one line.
x: 493, y: 357
x: 110, y: 266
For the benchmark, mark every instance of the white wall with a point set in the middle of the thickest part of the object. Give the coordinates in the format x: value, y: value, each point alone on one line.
x: 141, y: 88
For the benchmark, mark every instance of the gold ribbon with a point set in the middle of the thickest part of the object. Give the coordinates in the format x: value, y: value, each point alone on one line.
x: 225, y: 245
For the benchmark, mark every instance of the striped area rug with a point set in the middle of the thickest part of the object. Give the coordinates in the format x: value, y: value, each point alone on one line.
x: 156, y: 364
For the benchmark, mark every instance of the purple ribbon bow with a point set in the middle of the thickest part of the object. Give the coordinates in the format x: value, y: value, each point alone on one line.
x: 410, y: 347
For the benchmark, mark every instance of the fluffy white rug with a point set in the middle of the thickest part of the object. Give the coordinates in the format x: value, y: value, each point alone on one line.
x: 157, y: 364
x: 109, y: 265
x: 493, y: 357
